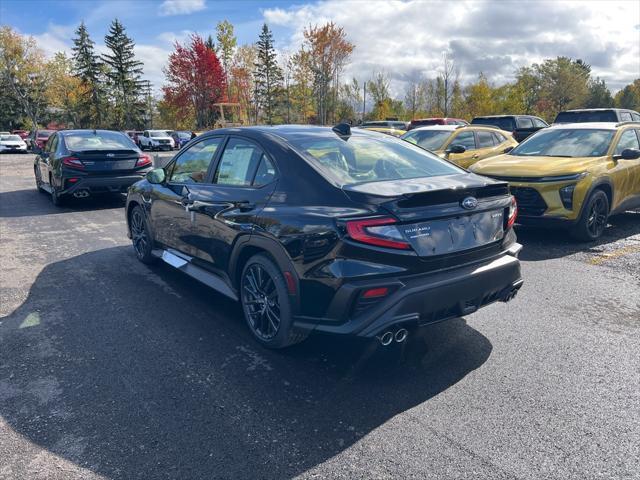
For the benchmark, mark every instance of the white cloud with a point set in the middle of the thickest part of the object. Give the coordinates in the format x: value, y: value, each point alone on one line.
x: 181, y: 7
x: 407, y: 39
x: 56, y: 38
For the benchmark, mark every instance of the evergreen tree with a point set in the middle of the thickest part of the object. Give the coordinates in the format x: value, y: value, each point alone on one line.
x: 87, y: 68
x: 268, y: 75
x: 123, y: 74
x: 209, y: 43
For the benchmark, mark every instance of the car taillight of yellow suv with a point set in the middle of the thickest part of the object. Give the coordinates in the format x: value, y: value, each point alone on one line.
x: 573, y: 175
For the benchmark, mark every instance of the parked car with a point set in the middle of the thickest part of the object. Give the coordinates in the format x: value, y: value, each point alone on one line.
x: 38, y: 139
x: 395, y: 124
x: 572, y: 175
x: 328, y: 229
x: 133, y: 135
x: 181, y: 138
x: 12, y: 144
x: 597, y: 115
x: 386, y: 130
x: 156, y: 140
x: 520, y: 126
x: 81, y: 163
x: 460, y: 144
x: 23, y: 134
x: 425, y: 122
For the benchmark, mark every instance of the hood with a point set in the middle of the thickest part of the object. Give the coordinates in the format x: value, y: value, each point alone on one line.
x: 521, y: 166
x: 406, y: 186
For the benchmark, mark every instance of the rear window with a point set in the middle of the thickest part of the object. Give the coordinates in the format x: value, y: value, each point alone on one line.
x: 158, y: 133
x: 587, y: 116
x: 81, y: 141
x: 364, y: 158
x: 427, y: 139
x: 45, y: 133
x: 426, y: 123
x: 503, y: 123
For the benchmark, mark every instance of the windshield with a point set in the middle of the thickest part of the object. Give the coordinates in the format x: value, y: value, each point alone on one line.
x: 361, y: 159
x: 158, y: 133
x: 10, y: 138
x: 45, y: 133
x: 503, y: 123
x: 586, y: 116
x: 566, y: 143
x: 427, y: 139
x: 80, y: 141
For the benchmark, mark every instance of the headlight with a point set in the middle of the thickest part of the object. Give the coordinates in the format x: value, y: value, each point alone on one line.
x: 566, y: 195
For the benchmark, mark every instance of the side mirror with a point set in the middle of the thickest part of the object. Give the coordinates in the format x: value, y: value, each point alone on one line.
x: 630, y: 154
x: 156, y: 176
x: 508, y: 149
x: 456, y: 149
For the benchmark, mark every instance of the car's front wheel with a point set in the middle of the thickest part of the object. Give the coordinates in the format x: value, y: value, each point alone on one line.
x: 593, y: 219
x: 141, y: 235
x: 266, y: 305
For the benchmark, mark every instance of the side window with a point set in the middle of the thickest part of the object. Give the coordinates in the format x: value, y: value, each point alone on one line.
x: 192, y: 165
x: 238, y: 163
x: 525, y: 123
x: 625, y: 116
x: 485, y: 139
x: 265, y: 174
x: 635, y: 117
x: 466, y: 139
x: 52, y: 143
x: 498, y: 138
x: 628, y: 139
x: 538, y: 123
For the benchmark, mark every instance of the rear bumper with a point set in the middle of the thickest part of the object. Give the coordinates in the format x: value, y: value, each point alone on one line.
x: 102, y: 184
x: 424, y: 299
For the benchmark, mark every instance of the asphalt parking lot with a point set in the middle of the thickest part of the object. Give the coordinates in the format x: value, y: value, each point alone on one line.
x: 112, y: 369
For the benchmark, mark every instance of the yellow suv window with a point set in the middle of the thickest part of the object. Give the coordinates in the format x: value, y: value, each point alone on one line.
x: 628, y: 139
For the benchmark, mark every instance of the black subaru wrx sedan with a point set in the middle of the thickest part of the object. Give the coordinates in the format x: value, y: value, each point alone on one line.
x: 328, y: 229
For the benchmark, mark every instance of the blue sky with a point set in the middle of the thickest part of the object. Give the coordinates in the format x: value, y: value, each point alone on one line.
x: 403, y: 38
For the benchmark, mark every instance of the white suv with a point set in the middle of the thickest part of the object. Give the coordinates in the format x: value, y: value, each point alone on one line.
x: 156, y: 140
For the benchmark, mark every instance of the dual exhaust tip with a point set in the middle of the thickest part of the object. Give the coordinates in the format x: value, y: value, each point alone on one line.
x: 81, y: 193
x: 388, y: 337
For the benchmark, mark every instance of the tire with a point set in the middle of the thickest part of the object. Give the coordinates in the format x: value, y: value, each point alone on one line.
x: 57, y: 199
x: 593, y: 219
x: 266, y: 304
x: 36, y: 172
x: 141, y: 236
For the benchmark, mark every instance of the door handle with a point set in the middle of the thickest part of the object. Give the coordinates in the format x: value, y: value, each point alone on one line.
x: 245, y: 206
x: 475, y: 156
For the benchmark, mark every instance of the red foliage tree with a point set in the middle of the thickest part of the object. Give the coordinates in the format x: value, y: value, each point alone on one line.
x: 195, y: 81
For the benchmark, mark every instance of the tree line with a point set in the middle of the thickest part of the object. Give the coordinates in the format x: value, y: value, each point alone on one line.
x: 257, y: 84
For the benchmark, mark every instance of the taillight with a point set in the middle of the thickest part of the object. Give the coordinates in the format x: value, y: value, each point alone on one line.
x: 144, y: 160
x: 380, y: 232
x: 73, y: 162
x: 513, y: 212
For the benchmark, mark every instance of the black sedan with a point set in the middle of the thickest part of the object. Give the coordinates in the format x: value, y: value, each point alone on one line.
x: 334, y: 230
x: 81, y: 163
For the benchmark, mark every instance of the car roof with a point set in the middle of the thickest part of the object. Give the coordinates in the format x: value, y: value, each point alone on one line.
x: 84, y: 130
x: 288, y: 131
x: 504, y: 116
x: 598, y: 110
x: 449, y: 128
x: 585, y: 126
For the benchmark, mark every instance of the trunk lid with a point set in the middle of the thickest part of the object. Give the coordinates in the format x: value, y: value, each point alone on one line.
x: 107, y: 161
x: 441, y: 215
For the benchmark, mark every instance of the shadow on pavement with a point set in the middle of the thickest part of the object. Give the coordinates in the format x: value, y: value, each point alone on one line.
x: 143, y: 373
x: 30, y: 202
x: 546, y: 243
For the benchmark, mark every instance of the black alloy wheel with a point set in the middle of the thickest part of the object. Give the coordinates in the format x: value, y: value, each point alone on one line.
x: 593, y: 220
x: 266, y: 304
x: 140, y: 235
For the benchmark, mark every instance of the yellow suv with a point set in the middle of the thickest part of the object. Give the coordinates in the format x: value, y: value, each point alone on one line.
x: 461, y: 144
x: 573, y: 174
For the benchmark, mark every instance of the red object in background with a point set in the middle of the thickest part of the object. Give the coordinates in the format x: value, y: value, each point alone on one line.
x: 194, y: 77
x: 21, y: 133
